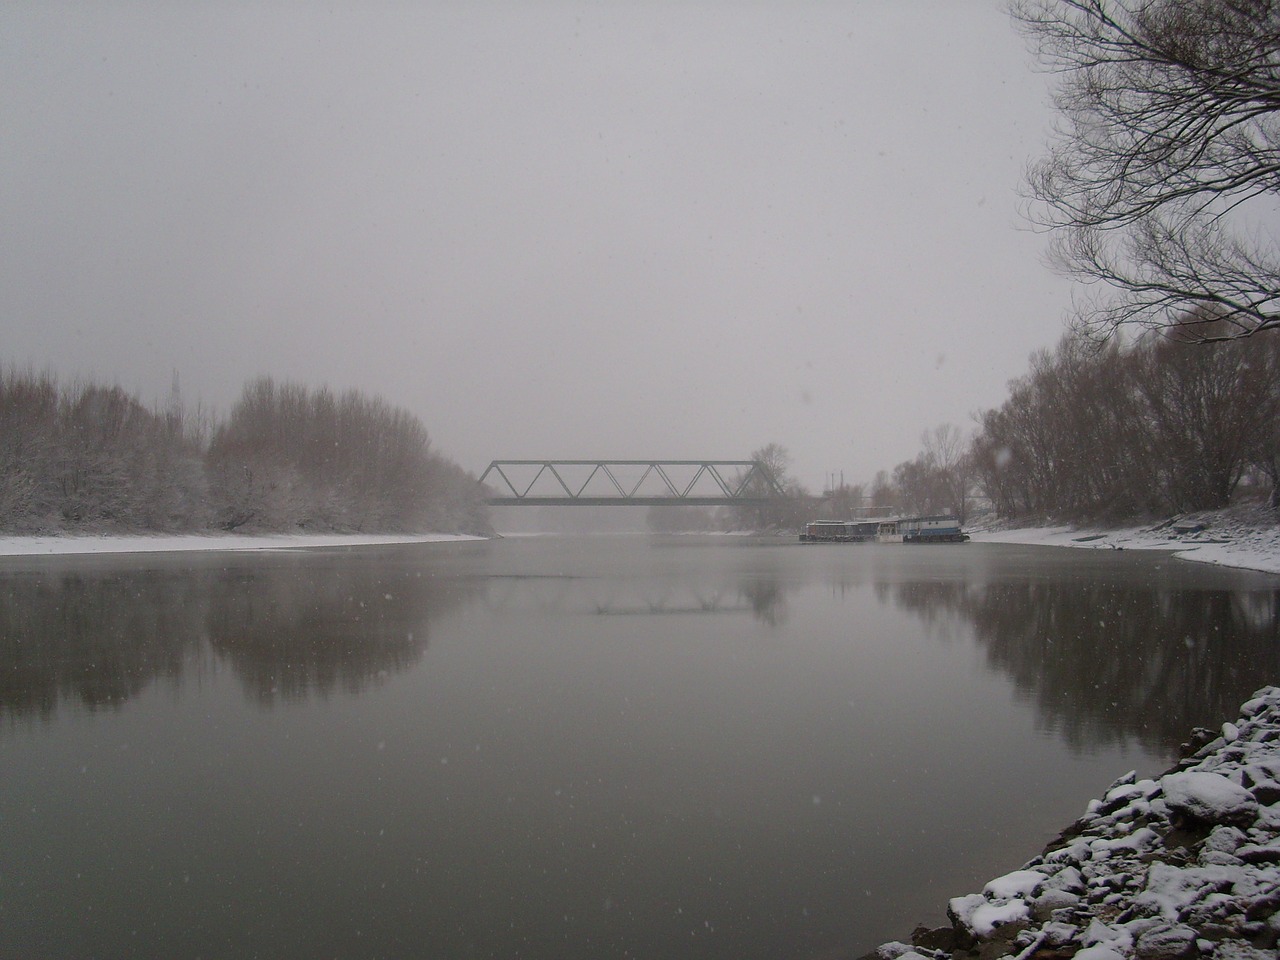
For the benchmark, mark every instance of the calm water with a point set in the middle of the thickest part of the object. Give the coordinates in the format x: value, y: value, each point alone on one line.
x: 576, y: 748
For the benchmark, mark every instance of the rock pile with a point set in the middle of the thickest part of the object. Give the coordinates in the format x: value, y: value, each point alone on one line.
x: 1183, y: 867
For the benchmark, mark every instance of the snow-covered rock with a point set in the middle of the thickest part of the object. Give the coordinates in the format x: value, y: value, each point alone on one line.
x: 1186, y: 867
x: 1166, y: 942
x: 1209, y: 797
x: 1100, y: 951
x: 1020, y: 883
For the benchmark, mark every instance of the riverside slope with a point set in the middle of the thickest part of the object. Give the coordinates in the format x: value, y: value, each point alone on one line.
x: 1247, y: 537
x: 1183, y: 867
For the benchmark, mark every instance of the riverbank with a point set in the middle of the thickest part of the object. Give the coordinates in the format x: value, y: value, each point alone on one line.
x: 1243, y: 537
x: 1183, y: 866
x: 16, y: 546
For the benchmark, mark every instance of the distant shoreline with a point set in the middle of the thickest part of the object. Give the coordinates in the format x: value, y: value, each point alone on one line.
x: 80, y: 545
x: 1226, y: 540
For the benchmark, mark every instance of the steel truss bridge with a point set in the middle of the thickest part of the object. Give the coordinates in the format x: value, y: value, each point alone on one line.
x: 616, y: 483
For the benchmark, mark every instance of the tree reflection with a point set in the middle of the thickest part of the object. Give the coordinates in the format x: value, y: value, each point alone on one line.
x: 288, y: 627
x: 762, y: 595
x: 767, y: 599
x: 93, y: 637
x: 1106, y: 661
x: 292, y: 631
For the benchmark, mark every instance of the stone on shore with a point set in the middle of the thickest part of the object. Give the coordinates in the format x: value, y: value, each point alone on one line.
x: 1209, y: 798
x: 1186, y: 867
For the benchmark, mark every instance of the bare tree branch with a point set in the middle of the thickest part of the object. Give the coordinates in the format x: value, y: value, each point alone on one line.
x: 1162, y: 181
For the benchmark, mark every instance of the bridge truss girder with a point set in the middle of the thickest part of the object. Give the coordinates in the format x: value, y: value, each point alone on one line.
x: 738, y: 482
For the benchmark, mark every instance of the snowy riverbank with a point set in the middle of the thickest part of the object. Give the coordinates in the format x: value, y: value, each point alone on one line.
x: 12, y: 546
x: 1184, y: 866
x: 1248, y: 538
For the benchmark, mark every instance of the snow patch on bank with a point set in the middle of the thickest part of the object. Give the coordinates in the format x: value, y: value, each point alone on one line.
x: 161, y: 543
x: 1248, y: 539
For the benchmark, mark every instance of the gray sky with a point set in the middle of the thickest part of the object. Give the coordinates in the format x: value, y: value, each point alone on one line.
x: 615, y: 230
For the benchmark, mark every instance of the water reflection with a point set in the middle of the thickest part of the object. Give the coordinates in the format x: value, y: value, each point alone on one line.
x: 93, y: 637
x: 1108, y: 651
x: 288, y: 627
x: 1104, y: 660
x: 776, y: 733
x: 314, y: 629
x: 768, y: 600
x: 764, y: 598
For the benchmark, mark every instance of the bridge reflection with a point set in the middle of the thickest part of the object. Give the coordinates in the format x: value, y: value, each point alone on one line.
x: 555, y: 596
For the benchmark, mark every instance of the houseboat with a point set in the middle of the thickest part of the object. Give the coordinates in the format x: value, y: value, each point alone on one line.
x: 889, y: 531
x: 838, y: 531
x: 931, y: 530
x: 885, y: 530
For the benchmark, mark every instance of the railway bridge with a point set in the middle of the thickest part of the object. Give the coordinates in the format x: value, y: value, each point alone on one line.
x: 618, y: 483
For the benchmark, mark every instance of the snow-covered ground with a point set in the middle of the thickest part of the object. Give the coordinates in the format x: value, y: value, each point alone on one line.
x: 1185, y: 866
x: 11, y: 546
x: 1246, y: 537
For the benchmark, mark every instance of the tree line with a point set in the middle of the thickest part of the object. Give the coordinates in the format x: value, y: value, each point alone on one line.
x: 1158, y: 191
x: 83, y: 456
x: 1110, y: 431
x: 1153, y: 428
x: 1105, y: 431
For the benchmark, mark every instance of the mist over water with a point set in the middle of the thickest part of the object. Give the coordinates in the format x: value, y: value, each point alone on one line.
x: 577, y: 747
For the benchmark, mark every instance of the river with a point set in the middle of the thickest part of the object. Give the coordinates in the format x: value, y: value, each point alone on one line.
x: 577, y: 748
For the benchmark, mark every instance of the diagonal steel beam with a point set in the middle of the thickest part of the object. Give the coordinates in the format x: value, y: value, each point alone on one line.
x: 748, y: 477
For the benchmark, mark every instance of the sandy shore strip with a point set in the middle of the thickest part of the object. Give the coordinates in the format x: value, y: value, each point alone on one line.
x: 15, y: 546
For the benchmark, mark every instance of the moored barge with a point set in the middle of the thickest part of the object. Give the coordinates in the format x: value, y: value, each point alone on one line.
x: 940, y: 529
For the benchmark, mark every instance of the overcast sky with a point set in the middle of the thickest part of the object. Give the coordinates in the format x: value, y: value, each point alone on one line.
x: 571, y: 230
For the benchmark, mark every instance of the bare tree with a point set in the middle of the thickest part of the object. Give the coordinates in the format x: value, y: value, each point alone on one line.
x: 1210, y: 411
x: 917, y: 485
x: 1265, y: 456
x: 883, y: 495
x: 949, y: 450
x: 1132, y: 431
x: 776, y: 459
x: 773, y: 511
x: 1072, y: 439
x: 843, y: 501
x: 1166, y: 161
x: 938, y: 479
